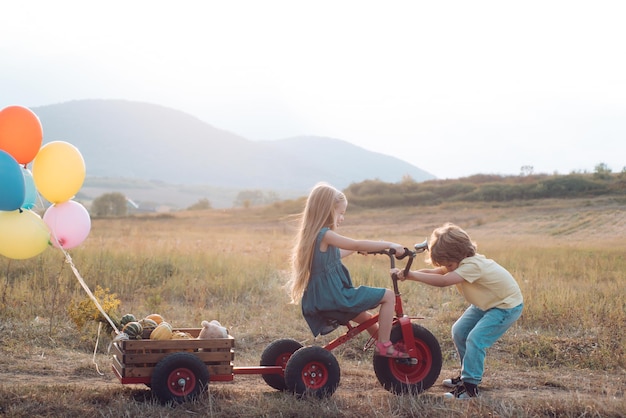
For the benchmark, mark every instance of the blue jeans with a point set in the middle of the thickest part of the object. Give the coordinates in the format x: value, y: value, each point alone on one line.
x: 474, y: 332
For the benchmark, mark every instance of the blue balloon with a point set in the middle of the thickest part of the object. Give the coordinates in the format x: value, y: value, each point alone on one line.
x: 12, y: 190
x: 30, y: 191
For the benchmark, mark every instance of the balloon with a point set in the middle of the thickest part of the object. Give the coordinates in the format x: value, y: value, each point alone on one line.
x: 11, y: 183
x: 24, y: 234
x: 21, y: 133
x: 69, y: 224
x: 58, y: 171
x: 30, y: 191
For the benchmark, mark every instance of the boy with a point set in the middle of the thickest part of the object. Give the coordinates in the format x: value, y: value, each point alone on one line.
x: 495, y: 298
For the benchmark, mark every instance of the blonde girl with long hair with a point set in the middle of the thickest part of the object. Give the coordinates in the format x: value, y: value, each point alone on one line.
x: 322, y: 283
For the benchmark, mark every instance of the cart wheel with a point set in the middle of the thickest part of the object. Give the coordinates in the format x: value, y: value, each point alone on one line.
x: 179, y: 377
x: 277, y: 353
x: 402, y: 375
x: 312, y: 371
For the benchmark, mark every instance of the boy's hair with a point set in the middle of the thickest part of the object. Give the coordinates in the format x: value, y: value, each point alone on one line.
x: 449, y: 243
x: 318, y: 213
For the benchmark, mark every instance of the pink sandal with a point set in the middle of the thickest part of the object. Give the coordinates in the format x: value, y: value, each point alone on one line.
x: 382, y: 349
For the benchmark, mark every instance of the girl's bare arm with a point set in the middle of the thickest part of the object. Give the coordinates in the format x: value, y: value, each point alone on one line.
x: 349, y: 244
x: 345, y: 253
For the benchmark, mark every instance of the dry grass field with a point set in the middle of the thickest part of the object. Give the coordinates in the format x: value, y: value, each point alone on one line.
x: 565, y: 357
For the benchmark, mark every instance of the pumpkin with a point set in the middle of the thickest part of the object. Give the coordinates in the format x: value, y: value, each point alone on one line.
x: 129, y: 317
x: 163, y: 331
x: 155, y: 317
x: 133, y: 329
x: 180, y: 335
x: 147, y: 323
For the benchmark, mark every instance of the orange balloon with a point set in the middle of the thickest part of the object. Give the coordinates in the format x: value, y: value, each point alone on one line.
x: 21, y: 133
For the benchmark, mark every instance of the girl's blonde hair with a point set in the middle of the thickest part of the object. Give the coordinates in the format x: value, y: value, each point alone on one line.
x: 449, y: 243
x: 319, y: 212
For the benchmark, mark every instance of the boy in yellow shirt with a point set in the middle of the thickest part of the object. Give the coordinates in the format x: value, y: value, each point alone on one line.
x: 495, y: 298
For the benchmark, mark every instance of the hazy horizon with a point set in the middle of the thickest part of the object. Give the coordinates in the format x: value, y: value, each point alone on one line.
x: 455, y: 88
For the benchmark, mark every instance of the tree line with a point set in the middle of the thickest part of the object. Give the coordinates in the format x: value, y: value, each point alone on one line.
x: 408, y: 192
x: 487, y: 188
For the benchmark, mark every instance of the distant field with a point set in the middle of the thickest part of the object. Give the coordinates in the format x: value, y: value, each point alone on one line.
x: 165, y: 196
x: 565, y: 357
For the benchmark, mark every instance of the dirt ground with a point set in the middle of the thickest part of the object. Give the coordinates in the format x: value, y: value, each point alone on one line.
x: 68, y: 368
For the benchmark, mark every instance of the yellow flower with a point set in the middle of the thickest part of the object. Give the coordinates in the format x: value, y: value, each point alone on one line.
x: 85, y: 310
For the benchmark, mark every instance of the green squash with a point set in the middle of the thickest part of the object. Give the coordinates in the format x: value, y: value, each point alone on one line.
x: 148, y: 324
x: 133, y: 330
x: 129, y: 317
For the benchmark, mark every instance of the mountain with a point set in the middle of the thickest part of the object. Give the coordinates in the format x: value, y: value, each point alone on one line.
x: 132, y: 140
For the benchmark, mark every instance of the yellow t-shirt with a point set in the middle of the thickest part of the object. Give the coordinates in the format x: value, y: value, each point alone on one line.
x: 487, y: 284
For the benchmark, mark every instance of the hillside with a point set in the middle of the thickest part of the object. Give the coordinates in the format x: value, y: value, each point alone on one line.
x: 128, y: 140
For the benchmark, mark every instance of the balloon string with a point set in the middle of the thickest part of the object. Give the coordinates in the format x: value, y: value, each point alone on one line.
x: 93, y: 360
x: 69, y: 261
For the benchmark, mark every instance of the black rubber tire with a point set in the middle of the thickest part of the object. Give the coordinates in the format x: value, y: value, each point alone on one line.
x: 312, y: 371
x: 179, y: 377
x: 277, y: 353
x: 398, y: 376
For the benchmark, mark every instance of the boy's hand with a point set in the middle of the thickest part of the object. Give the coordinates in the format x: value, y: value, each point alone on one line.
x: 399, y: 273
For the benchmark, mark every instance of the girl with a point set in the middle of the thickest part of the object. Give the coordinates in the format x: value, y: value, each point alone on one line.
x: 495, y: 298
x: 323, y: 283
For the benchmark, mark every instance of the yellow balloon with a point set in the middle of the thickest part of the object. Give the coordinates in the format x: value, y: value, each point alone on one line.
x: 58, y: 171
x: 24, y: 234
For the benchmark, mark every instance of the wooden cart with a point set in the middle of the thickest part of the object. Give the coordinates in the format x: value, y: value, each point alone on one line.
x: 177, y: 370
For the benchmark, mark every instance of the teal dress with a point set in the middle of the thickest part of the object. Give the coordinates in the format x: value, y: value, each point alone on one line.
x: 330, y: 299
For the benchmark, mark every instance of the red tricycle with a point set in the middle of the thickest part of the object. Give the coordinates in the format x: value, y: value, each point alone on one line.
x: 177, y: 370
x: 314, y: 370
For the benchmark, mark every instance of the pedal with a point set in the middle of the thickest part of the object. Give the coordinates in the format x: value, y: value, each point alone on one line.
x: 407, y: 361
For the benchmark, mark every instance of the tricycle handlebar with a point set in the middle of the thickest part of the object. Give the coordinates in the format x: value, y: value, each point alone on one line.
x: 421, y: 247
x: 391, y: 253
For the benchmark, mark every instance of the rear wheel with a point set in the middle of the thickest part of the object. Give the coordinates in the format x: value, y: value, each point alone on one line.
x: 407, y: 375
x: 179, y: 377
x: 312, y: 371
x: 277, y: 353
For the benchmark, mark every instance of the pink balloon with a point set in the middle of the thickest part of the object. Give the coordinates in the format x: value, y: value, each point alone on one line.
x: 69, y: 224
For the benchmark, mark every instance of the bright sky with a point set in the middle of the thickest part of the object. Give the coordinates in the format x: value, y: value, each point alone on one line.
x: 453, y: 87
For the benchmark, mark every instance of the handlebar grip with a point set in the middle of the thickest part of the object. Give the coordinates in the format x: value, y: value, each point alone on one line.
x: 378, y: 252
x: 407, y: 252
x: 392, y: 252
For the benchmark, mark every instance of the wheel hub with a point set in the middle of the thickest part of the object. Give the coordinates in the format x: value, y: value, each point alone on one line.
x: 314, y: 375
x: 181, y: 381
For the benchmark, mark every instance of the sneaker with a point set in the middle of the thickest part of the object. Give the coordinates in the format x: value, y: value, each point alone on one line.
x: 452, y: 383
x: 463, y: 391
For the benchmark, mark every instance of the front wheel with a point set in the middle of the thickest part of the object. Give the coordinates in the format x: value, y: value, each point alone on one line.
x: 179, y: 377
x: 277, y: 353
x: 312, y: 371
x: 404, y: 375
